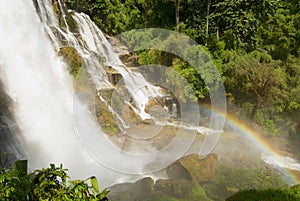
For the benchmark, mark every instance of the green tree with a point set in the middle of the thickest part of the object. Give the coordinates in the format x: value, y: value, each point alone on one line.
x: 177, y: 12
x: 255, y: 78
x: 238, y: 21
x: 280, y: 33
x: 194, y: 17
x: 47, y: 184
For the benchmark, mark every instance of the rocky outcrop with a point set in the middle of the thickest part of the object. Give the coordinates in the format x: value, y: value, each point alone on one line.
x: 140, y: 190
x: 105, y: 118
x: 11, y: 147
x: 72, y: 25
x: 176, y: 188
x: 181, y: 189
x: 185, y: 178
x: 163, y: 190
x: 130, y: 60
x: 113, y: 75
x: 147, y: 121
x: 117, y: 100
x: 72, y: 58
x: 192, y: 167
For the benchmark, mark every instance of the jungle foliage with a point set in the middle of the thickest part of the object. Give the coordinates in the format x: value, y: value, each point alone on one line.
x: 51, y: 183
x: 290, y: 194
x: 254, y: 44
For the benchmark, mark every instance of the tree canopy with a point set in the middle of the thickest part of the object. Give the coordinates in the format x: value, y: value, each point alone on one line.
x: 254, y: 44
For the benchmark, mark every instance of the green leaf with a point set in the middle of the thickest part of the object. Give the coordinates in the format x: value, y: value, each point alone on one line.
x: 103, y: 194
x: 94, y: 183
x: 21, y: 168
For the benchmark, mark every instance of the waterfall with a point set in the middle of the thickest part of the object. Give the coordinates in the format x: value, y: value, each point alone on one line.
x: 91, y: 44
x: 35, y: 79
x: 140, y: 89
x: 56, y: 125
x: 42, y: 89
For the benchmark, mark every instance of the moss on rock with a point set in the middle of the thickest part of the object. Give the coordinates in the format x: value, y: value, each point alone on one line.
x: 193, y: 167
x: 55, y: 7
x: 72, y: 25
x: 182, y: 189
x: 115, y: 98
x: 140, y: 190
x: 105, y: 117
x: 71, y: 22
x: 163, y: 190
x: 72, y: 58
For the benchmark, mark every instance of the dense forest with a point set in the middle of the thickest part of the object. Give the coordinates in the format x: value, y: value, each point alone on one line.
x: 254, y: 44
x: 256, y: 48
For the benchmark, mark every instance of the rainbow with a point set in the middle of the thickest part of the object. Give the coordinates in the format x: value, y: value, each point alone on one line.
x: 257, y: 139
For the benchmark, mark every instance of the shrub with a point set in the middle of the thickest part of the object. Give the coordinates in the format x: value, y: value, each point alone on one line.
x: 47, y: 184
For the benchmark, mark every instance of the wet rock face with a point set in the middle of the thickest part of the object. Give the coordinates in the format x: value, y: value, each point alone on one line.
x: 72, y: 58
x: 130, y: 60
x: 175, y: 188
x: 181, y: 189
x: 163, y: 190
x: 140, y: 190
x: 184, y: 183
x: 10, y: 142
x: 192, y: 167
x: 113, y: 75
x: 177, y: 171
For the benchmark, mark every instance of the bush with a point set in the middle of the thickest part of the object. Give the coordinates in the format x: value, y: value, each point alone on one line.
x: 47, y: 184
x: 263, y: 195
x: 229, y: 181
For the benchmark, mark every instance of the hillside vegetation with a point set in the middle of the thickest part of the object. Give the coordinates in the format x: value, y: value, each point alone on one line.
x: 254, y: 44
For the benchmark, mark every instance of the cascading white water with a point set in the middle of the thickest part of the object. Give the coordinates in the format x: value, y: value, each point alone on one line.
x: 42, y: 90
x: 26, y: 56
x: 140, y: 89
x: 281, y: 162
x: 56, y: 126
x: 92, y: 44
x: 57, y: 35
